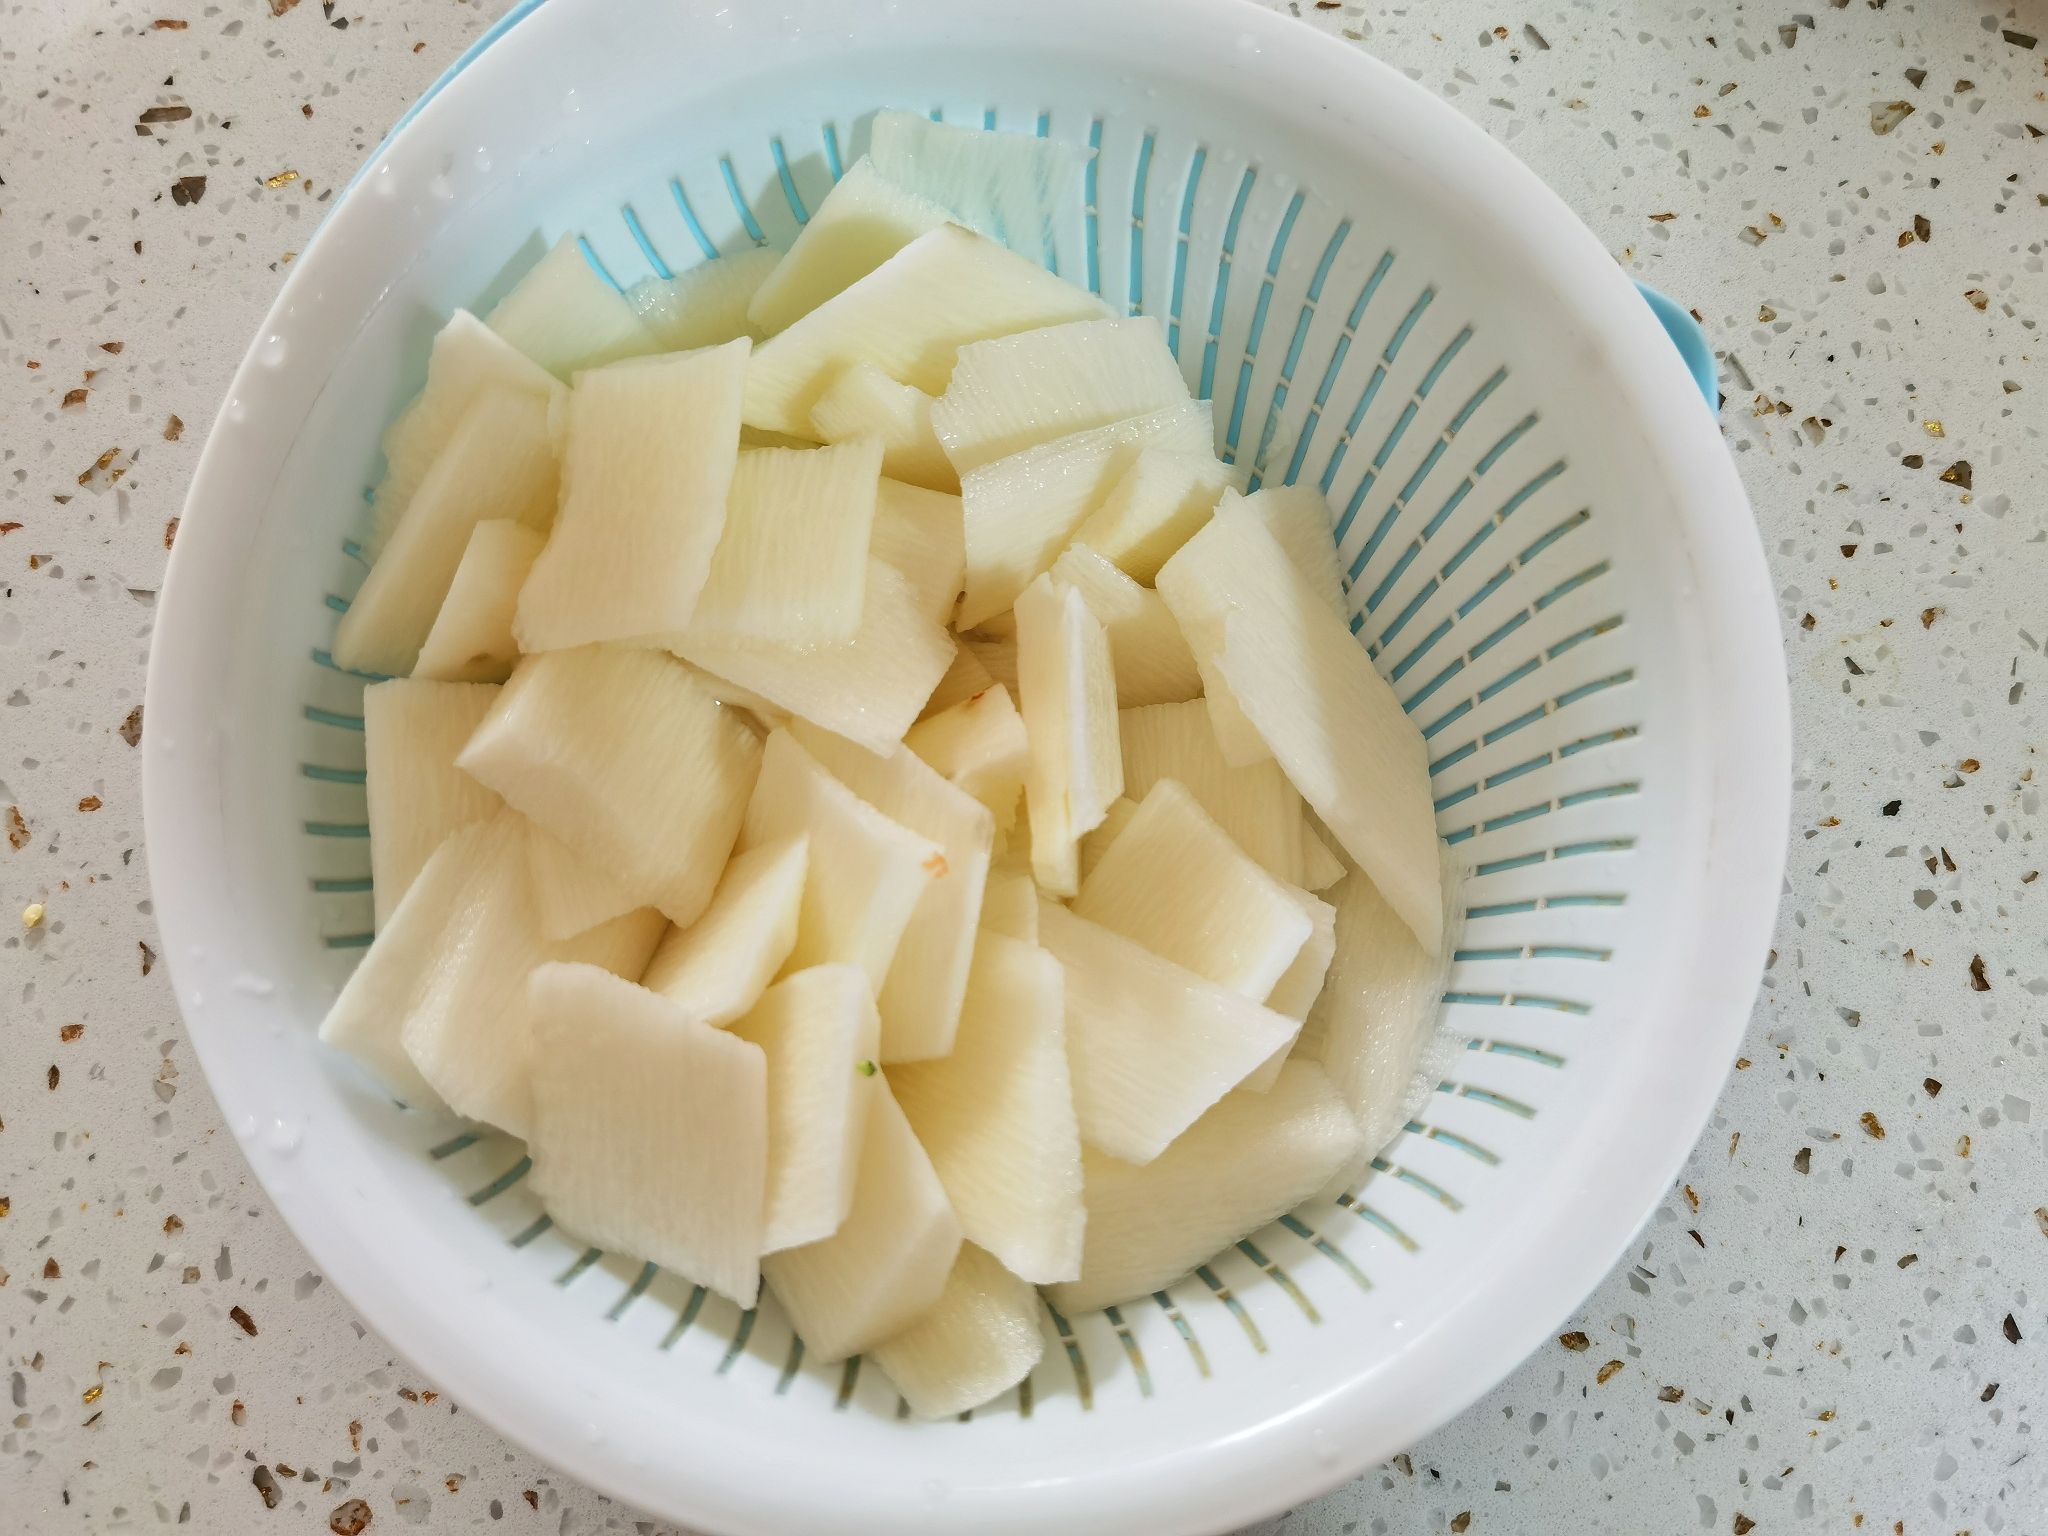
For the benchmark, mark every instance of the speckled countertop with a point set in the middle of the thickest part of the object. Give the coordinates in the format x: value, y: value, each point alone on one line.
x: 1838, y: 1321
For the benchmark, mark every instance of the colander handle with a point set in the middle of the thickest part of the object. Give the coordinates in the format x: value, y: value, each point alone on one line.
x: 1691, y: 341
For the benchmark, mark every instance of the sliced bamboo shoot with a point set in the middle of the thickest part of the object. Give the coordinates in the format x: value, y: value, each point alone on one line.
x: 650, y: 1132
x: 648, y: 459
x: 1151, y: 1045
x: 1095, y: 844
x: 1253, y: 1157
x: 567, y: 318
x: 1153, y: 663
x: 719, y: 966
x: 1255, y: 805
x: 471, y: 640
x: 1299, y: 519
x: 573, y: 893
x: 661, y: 818
x: 1010, y: 186
x: 1296, y: 992
x: 705, y: 305
x: 888, y: 1262
x: 819, y: 1030
x: 964, y: 678
x: 979, y: 1339
x: 1067, y: 695
x: 863, y: 401
x: 1010, y: 904
x: 918, y: 532
x: 979, y: 745
x: 1160, y: 503
x: 1320, y: 868
x: 864, y: 220
x: 412, y: 731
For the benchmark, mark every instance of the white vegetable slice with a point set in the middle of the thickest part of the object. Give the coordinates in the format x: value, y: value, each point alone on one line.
x: 918, y: 531
x: 868, y: 690
x: 719, y: 966
x: 997, y: 1115
x: 864, y: 220
x: 1066, y: 693
x: 1095, y: 844
x: 979, y: 1339
x: 1372, y: 1023
x: 650, y: 1130
x: 1254, y: 1157
x: 1299, y: 519
x: 1336, y: 728
x: 661, y: 817
x: 471, y: 640
x: 412, y: 731
x: 1160, y: 503
x: 1200, y: 610
x: 819, y: 1030
x: 647, y: 462
x: 791, y: 566
x: 867, y: 873
x: 497, y: 463
x: 1010, y: 186
x: 1296, y: 992
x: 863, y: 401
x: 1255, y: 805
x: 997, y: 655
x: 1019, y: 512
x: 704, y: 305
x: 1010, y: 904
x: 1174, y: 882
x: 887, y: 1263
x: 980, y: 746
x: 1151, y: 1044
x: 1320, y: 868
x: 1153, y: 663
x: 909, y: 317
x: 920, y: 996
x: 572, y: 892
x: 964, y: 678
x: 468, y: 357
x: 567, y: 318
x: 1015, y: 392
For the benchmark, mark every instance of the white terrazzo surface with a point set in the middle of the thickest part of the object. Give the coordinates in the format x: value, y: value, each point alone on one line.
x: 1840, y: 1320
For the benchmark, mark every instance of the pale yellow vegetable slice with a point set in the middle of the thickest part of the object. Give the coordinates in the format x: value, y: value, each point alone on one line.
x: 1255, y: 805
x: 1151, y: 1045
x: 1299, y: 519
x: 1153, y: 663
x: 467, y: 358
x: 1015, y: 392
x: 888, y: 1262
x: 1095, y: 844
x: 1335, y: 727
x: 997, y: 1115
x: 1019, y: 512
x: 964, y: 678
x: 1372, y: 1023
x: 1010, y: 186
x: 997, y: 655
x: 412, y: 731
x: 979, y: 745
x: 1174, y: 882
x: 567, y: 318
x: 863, y: 401
x: 572, y: 892
x: 979, y: 1339
x: 1254, y: 1157
x: 868, y: 690
x: 1320, y: 868
x: 1296, y: 991
x: 660, y: 817
x: 909, y: 317
x: 648, y: 458
x: 1066, y: 693
x: 1160, y: 503
x: 819, y: 1030
x: 920, y: 996
x: 867, y: 873
x: 498, y: 462
x: 471, y: 641
x: 918, y: 532
x: 790, y: 569
x: 1010, y: 904
x: 864, y: 220
x: 719, y: 966
x: 650, y: 1130
x: 704, y: 305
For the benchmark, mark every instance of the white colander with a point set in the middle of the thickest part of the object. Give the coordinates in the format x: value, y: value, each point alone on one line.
x: 1549, y: 554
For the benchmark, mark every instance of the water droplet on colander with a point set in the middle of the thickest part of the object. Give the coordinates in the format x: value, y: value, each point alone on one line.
x: 251, y: 985
x: 481, y: 158
x: 592, y: 1435
x: 245, y: 1128
x: 1325, y: 1452
x: 283, y: 1137
x: 571, y: 103
x: 384, y: 183
x: 272, y: 353
x: 236, y: 413
x: 442, y: 189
